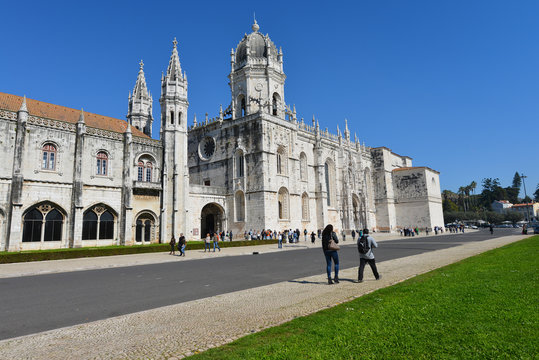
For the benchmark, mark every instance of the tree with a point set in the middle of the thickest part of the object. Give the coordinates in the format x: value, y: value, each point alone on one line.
x: 527, y: 200
x: 536, y: 193
x: 512, y: 194
x: 513, y: 216
x: 492, y: 191
x: 517, y: 181
x: 449, y: 206
x: 494, y: 217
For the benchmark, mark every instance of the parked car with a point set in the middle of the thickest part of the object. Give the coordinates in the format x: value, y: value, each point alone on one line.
x: 536, y: 230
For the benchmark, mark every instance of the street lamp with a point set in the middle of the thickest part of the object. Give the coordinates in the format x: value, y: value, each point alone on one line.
x: 525, y: 196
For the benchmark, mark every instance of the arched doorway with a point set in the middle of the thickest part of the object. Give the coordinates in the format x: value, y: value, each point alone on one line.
x: 211, y: 219
x: 145, y: 225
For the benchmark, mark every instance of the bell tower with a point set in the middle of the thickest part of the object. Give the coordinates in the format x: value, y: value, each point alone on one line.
x: 175, y: 177
x: 256, y: 76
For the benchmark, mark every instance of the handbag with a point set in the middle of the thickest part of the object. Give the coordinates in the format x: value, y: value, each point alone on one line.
x: 332, y: 245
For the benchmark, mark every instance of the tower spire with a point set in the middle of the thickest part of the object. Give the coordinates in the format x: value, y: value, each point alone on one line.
x: 139, y: 111
x: 174, y: 70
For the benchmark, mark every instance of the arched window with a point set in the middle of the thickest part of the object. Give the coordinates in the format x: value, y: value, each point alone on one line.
x: 303, y: 166
x: 49, y: 157
x: 283, y: 204
x: 147, y: 230
x: 282, y: 161
x: 239, y: 203
x: 106, y: 226
x: 180, y: 118
x: 89, y: 226
x: 275, y: 104
x: 97, y: 224
x: 102, y: 163
x: 42, y: 223
x: 140, y: 171
x: 330, y: 183
x: 149, y: 167
x: 145, y: 167
x: 239, y: 163
x: 172, y: 118
x: 53, y: 226
x: 305, y: 207
x: 139, y: 230
x: 33, y: 221
x: 242, y: 110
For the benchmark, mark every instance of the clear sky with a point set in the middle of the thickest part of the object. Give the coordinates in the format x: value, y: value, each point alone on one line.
x: 452, y: 84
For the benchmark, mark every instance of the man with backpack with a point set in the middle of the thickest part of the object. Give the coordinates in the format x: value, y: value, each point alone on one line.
x: 365, y: 244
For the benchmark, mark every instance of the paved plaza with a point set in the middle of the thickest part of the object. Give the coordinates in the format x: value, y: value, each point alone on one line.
x: 182, y: 329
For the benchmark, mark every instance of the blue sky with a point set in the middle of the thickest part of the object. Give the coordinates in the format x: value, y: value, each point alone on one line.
x: 454, y: 84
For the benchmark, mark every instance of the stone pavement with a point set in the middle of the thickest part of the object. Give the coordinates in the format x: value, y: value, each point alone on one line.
x: 176, y: 331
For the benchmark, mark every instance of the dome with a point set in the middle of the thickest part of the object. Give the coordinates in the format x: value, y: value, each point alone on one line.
x: 257, y: 46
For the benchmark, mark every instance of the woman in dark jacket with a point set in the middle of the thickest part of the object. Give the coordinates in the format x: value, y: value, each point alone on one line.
x: 327, y: 235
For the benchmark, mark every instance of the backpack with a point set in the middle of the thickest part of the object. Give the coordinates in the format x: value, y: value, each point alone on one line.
x: 363, y: 245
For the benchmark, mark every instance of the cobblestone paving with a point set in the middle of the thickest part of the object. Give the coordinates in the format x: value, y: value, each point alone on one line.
x: 176, y: 331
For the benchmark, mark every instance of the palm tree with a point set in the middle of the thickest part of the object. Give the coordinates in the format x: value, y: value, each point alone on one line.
x: 473, y: 185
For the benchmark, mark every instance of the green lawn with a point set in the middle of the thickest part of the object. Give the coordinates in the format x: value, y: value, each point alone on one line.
x: 485, y: 307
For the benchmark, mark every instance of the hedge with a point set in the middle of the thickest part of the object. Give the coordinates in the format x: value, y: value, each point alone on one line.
x: 58, y: 254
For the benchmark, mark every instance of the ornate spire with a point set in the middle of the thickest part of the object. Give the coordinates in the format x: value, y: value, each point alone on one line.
x: 195, y: 120
x: 23, y: 105
x: 174, y: 70
x: 141, y: 89
x: 81, y: 116
x: 346, y: 131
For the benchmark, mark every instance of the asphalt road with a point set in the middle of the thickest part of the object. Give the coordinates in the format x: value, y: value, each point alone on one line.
x: 33, y: 304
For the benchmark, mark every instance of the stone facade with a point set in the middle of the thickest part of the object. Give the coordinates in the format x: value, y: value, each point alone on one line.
x: 79, y: 179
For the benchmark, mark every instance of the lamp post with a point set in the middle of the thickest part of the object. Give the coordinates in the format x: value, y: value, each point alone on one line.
x: 525, y: 196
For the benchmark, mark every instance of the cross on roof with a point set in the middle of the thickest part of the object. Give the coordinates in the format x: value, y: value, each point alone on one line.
x: 141, y: 63
x: 175, y: 42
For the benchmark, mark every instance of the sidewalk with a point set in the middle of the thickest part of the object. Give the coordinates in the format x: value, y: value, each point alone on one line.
x: 104, y: 262
x: 175, y: 331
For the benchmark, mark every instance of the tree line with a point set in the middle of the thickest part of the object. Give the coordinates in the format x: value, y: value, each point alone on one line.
x: 465, y: 204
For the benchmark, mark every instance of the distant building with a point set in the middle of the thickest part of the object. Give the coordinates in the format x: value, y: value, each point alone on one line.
x: 501, y: 206
x: 531, y: 209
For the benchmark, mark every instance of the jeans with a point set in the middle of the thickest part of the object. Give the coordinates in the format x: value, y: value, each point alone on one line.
x: 372, y: 264
x: 332, y: 254
x: 207, y: 247
x: 280, y: 243
x: 215, y: 243
x: 182, y: 250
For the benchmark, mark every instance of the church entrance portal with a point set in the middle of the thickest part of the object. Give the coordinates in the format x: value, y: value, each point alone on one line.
x: 211, y: 219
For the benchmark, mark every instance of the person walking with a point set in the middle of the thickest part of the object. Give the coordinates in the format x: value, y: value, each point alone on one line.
x: 365, y: 244
x: 353, y: 235
x: 216, y: 241
x: 172, y: 246
x: 207, y: 242
x: 181, y: 244
x: 313, y: 237
x: 280, y: 240
x: 330, y: 254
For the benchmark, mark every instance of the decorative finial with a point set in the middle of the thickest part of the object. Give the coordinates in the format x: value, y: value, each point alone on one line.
x: 23, y: 105
x: 255, y: 26
x: 141, y: 63
x: 81, y: 116
x: 175, y: 42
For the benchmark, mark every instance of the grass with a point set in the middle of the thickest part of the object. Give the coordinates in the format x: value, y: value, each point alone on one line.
x: 484, y: 307
x: 73, y: 253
